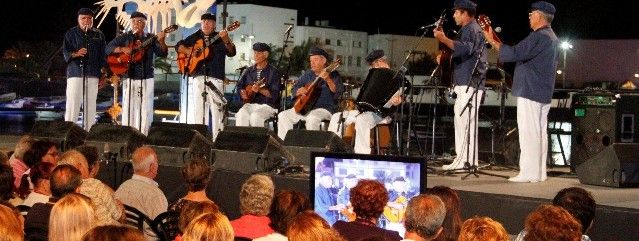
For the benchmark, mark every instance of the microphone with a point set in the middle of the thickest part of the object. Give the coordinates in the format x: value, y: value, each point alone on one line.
x: 497, y: 30
x: 289, y: 29
x: 430, y: 25
x: 244, y: 67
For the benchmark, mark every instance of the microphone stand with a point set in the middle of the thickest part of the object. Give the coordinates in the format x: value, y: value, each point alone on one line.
x: 83, y: 65
x: 284, y: 78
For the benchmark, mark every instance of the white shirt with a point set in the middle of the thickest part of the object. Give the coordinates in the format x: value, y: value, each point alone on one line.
x: 272, y: 237
x: 34, y: 198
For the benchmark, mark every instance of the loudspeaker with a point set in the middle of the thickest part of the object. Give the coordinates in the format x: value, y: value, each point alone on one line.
x: 615, y: 166
x: 302, y: 142
x: 249, y: 150
x: 65, y: 134
x: 200, y: 128
x: 174, y: 145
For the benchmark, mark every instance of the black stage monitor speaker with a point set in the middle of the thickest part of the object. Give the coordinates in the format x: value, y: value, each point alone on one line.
x: 302, y: 142
x: 65, y: 134
x: 616, y: 166
x: 175, y: 145
x: 200, y: 128
x: 249, y: 150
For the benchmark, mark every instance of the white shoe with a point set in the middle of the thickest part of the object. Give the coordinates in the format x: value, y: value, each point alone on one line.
x: 453, y: 166
x: 523, y: 179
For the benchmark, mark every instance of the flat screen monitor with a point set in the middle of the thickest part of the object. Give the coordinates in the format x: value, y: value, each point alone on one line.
x: 332, y: 176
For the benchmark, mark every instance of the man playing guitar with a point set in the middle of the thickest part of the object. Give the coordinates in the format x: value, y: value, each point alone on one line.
x: 259, y: 89
x: 210, y: 69
x: 329, y: 86
x: 138, y: 85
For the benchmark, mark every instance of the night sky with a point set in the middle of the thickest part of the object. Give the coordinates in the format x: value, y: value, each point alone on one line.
x: 34, y: 20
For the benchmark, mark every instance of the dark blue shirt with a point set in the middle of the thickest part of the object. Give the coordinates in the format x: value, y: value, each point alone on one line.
x: 466, y: 49
x: 323, y: 201
x: 327, y: 99
x: 74, y: 40
x: 272, y: 83
x: 143, y: 69
x: 537, y: 59
x: 215, y: 63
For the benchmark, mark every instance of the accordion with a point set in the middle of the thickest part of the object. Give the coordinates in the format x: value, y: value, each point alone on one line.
x: 380, y: 86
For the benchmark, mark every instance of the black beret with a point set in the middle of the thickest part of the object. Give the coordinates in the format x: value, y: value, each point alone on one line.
x: 319, y: 51
x: 374, y: 55
x: 399, y: 179
x: 261, y: 47
x: 208, y: 16
x: 464, y: 4
x: 543, y: 6
x: 86, y: 11
x: 137, y: 14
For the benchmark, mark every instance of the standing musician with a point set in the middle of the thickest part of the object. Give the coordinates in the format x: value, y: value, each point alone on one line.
x: 83, y: 50
x: 138, y: 85
x: 534, y: 83
x: 259, y: 89
x: 366, y: 121
x: 330, y: 88
x: 210, y: 69
x: 467, y: 48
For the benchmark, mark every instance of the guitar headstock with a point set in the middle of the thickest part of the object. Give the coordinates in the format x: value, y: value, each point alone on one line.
x: 233, y: 26
x: 484, y: 22
x: 440, y: 22
x: 333, y: 66
x: 170, y: 28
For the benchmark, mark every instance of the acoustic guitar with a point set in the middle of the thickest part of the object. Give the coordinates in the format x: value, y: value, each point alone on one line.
x: 444, y: 69
x: 115, y: 109
x: 248, y: 90
x: 188, y: 58
x: 304, y: 103
x: 485, y: 24
x: 119, y: 62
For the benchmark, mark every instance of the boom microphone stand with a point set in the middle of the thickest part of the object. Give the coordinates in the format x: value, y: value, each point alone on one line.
x: 284, y: 78
x: 83, y: 65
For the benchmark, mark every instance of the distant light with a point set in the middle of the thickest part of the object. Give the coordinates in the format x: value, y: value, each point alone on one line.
x: 636, y: 75
x: 15, y: 66
x: 27, y: 55
x: 566, y: 45
x: 559, y: 71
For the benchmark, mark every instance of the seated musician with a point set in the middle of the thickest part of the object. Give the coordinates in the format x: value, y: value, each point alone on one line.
x: 398, y: 198
x: 138, y: 86
x: 329, y: 88
x: 209, y: 69
x: 259, y: 89
x: 344, y: 197
x: 366, y: 121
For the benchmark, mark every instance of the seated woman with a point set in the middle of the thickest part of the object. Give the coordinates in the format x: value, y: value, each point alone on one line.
x: 39, y: 174
x: 482, y: 229
x: 113, y: 233
x: 256, y: 197
x: 286, y: 205
x: 452, y: 222
x: 40, y: 151
x: 368, y: 198
x: 71, y: 217
x: 309, y: 226
x: 196, y: 174
x: 190, y: 211
x: 209, y: 226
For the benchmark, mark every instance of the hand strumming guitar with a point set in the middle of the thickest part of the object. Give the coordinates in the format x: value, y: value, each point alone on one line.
x: 80, y: 53
x: 301, y: 91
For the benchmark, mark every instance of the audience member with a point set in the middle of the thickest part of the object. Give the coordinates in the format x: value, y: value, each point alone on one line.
x: 368, y: 197
x: 7, y: 193
x: 309, y: 226
x: 93, y: 158
x: 11, y: 228
x: 482, y: 229
x: 17, y: 158
x: 286, y: 205
x: 196, y: 174
x: 210, y: 227
x: 39, y: 175
x: 113, y: 233
x: 256, y: 197
x: 452, y: 222
x: 425, y: 215
x: 71, y: 217
x: 551, y: 222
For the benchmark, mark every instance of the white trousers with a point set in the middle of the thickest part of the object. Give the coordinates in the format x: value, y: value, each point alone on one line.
x: 288, y: 118
x: 363, y: 125
x: 137, y: 103
x: 336, y: 126
x: 532, y: 122
x: 197, y: 109
x: 254, y: 114
x: 464, y: 147
x: 74, y: 100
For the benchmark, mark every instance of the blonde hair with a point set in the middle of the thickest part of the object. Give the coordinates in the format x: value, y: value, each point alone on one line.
x: 256, y: 195
x: 22, y: 146
x: 482, y: 229
x: 71, y: 217
x: 209, y: 227
x: 309, y: 226
x: 11, y: 228
x: 113, y: 233
x: 76, y: 159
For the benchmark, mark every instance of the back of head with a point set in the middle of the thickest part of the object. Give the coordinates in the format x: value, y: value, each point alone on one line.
x: 71, y: 217
x: 209, y: 226
x: 64, y: 179
x: 286, y: 205
x: 90, y: 153
x: 76, y: 159
x: 142, y: 159
x: 22, y: 146
x: 256, y: 195
x: 11, y: 228
x: 193, y: 209
x: 579, y: 203
x: 196, y: 174
x: 482, y: 229
x: 39, y: 172
x: 4, y: 158
x: 113, y: 233
x: 368, y: 197
x: 6, y: 183
x: 452, y: 222
x: 551, y: 222
x: 425, y: 215
x: 309, y: 226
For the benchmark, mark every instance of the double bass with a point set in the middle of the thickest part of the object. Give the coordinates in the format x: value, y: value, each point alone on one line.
x: 119, y: 62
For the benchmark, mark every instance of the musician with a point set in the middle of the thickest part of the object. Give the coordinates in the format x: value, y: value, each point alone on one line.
x: 330, y: 87
x: 138, y: 84
x: 83, y: 50
x: 366, y: 121
x: 534, y: 80
x: 211, y: 69
x: 325, y: 202
x: 467, y: 48
x: 266, y: 99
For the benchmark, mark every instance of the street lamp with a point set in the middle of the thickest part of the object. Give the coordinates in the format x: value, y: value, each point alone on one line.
x: 565, y: 46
